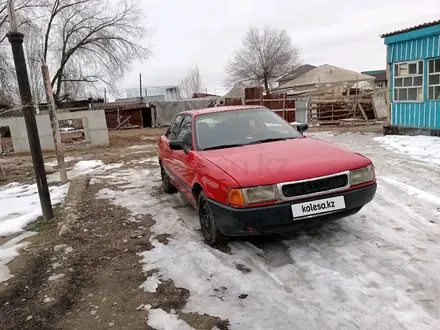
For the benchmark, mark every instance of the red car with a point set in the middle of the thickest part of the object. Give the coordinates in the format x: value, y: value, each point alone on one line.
x: 249, y: 172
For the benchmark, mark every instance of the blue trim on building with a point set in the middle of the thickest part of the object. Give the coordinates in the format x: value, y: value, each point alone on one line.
x: 411, y: 35
x: 422, y: 44
x: 416, y: 49
x: 419, y: 114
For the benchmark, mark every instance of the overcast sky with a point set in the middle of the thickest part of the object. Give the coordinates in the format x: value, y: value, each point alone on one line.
x: 344, y: 33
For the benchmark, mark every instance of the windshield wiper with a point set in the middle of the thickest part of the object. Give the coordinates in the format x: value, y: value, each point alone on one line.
x: 271, y: 140
x: 222, y: 146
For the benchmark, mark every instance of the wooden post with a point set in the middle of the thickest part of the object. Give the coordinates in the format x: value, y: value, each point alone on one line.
x: 118, y: 117
x: 284, y: 105
x: 140, y: 87
x: 2, y: 173
x: 363, y: 112
x: 388, y: 89
x: 16, y: 40
x: 59, y: 147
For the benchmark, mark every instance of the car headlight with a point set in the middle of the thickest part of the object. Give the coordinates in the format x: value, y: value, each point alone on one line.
x: 260, y: 194
x: 253, y: 195
x: 362, y: 175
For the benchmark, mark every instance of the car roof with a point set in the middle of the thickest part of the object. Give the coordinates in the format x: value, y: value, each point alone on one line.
x: 221, y: 109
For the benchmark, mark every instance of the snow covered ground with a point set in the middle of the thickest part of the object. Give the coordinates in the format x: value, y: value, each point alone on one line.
x: 425, y: 148
x: 375, y: 270
x: 20, y: 205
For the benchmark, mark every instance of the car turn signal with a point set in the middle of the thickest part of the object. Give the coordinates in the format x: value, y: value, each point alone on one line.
x: 235, y: 198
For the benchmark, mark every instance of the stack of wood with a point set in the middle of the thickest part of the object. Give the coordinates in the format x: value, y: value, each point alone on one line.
x: 353, y: 107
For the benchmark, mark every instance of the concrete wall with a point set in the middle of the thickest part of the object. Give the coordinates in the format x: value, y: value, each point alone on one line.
x: 399, y: 130
x: 94, y: 124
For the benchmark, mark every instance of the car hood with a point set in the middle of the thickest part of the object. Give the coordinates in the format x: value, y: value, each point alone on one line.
x: 284, y: 161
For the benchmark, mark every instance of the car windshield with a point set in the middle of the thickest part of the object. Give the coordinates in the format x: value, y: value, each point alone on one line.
x: 227, y: 129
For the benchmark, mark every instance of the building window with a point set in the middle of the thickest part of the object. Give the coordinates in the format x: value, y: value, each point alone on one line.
x: 408, y: 81
x: 434, y: 80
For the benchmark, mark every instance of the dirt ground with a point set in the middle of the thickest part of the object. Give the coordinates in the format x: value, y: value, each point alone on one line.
x: 99, y: 273
x: 102, y: 272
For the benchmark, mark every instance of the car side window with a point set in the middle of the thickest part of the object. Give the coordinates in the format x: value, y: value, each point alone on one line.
x: 174, y: 128
x: 185, y: 133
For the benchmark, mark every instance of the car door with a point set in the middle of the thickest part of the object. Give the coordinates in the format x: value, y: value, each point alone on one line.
x: 170, y: 135
x: 184, y: 160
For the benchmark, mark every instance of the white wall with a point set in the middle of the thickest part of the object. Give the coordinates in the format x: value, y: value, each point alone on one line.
x: 94, y: 124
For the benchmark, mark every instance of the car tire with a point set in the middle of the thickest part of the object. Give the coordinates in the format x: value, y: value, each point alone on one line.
x: 167, y: 186
x: 210, y: 231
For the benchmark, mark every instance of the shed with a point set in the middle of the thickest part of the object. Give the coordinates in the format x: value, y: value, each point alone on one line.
x: 118, y: 114
x: 413, y: 67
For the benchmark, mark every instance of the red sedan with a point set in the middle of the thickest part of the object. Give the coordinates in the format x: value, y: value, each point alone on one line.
x: 249, y: 172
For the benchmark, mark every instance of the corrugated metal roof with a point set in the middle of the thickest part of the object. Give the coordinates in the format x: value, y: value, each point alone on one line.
x: 413, y: 28
x: 300, y: 70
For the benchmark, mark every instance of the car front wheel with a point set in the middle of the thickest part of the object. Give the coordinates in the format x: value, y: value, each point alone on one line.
x: 210, y: 231
x: 167, y: 186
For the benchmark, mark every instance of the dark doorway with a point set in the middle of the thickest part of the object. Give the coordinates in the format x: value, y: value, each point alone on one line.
x: 6, y: 145
x: 146, y: 117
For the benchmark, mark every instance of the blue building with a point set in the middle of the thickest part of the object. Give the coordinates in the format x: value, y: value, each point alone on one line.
x: 413, y: 58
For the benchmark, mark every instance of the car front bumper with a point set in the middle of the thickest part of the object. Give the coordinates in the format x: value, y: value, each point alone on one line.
x: 278, y: 218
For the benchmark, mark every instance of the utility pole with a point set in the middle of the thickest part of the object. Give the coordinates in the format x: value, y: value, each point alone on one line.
x: 59, y: 147
x: 16, y: 40
x: 105, y: 94
x: 140, y: 86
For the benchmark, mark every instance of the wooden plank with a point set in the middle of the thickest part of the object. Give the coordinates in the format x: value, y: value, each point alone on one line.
x: 363, y: 112
x: 380, y: 106
x: 264, y: 100
x: 117, y: 127
x: 284, y: 105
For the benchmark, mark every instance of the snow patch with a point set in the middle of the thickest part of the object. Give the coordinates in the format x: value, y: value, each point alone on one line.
x: 20, y: 205
x: 10, y: 250
x: 424, y: 148
x: 151, y: 284
x: 161, y: 320
x: 413, y: 191
x: 86, y: 167
x: 66, y: 159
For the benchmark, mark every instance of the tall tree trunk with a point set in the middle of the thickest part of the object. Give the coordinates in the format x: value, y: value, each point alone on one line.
x: 266, y: 87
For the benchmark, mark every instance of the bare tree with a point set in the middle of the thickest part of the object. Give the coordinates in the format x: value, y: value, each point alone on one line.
x: 265, y: 56
x: 26, y: 11
x: 89, y: 41
x: 191, y: 84
x: 33, y: 50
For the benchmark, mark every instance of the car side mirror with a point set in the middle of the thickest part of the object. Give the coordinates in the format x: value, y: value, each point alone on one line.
x: 302, y: 128
x: 180, y: 145
x: 176, y: 145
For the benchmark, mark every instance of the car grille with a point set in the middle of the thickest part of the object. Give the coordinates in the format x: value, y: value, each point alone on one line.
x: 314, y: 186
